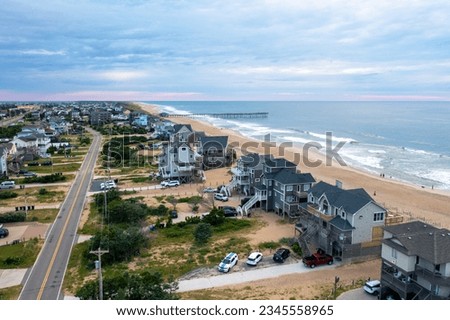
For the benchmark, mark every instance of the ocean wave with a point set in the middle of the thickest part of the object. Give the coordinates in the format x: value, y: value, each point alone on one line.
x: 363, y: 161
x: 172, y: 110
x: 438, y: 175
x: 377, y: 151
x: 300, y: 140
x: 335, y: 138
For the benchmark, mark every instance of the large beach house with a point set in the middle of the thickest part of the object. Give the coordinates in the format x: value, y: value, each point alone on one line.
x: 344, y: 223
x: 188, y: 153
x: 274, y: 184
x: 415, y: 262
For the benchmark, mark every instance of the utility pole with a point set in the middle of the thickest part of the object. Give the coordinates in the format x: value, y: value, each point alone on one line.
x: 98, y: 266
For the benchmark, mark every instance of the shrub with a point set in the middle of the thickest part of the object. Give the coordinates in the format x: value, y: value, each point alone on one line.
x: 8, y: 195
x: 202, y: 233
x: 43, y: 191
x: 297, y: 249
x: 16, y: 216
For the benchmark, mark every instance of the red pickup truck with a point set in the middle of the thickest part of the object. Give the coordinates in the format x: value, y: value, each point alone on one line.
x: 317, y: 259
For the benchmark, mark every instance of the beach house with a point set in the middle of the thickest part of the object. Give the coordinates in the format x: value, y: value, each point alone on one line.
x: 215, y: 151
x: 415, y: 262
x: 344, y: 223
x: 274, y: 184
x: 178, y: 160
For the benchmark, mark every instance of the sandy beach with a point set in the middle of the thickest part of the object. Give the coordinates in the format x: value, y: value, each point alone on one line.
x: 414, y: 202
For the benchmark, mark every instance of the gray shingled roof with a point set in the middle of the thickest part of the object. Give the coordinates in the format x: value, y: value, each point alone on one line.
x: 351, y: 200
x: 341, y: 224
x: 430, y: 243
x: 272, y: 162
x: 288, y: 176
x: 410, y: 228
x: 178, y: 127
x: 216, y: 141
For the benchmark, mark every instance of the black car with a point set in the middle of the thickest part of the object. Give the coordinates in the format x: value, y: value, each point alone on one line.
x: 46, y: 163
x: 3, y: 232
x: 174, y: 214
x: 229, y: 211
x: 281, y: 255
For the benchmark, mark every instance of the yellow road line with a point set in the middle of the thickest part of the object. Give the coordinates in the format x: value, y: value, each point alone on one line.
x: 58, y: 245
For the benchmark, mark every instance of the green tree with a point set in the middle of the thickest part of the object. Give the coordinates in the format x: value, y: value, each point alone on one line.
x: 123, y: 244
x: 127, y: 211
x: 202, y: 233
x: 131, y: 286
x: 215, y: 218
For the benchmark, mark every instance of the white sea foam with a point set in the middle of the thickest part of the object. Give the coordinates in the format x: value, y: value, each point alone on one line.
x: 173, y: 110
x: 378, y: 151
x: 335, y: 138
x: 365, y: 161
x: 299, y: 140
x: 439, y: 175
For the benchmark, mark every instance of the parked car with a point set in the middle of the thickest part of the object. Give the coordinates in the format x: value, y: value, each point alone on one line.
x: 3, y: 232
x: 33, y: 164
x: 254, y: 258
x: 173, y: 183
x: 230, y: 212
x: 209, y: 190
x: 174, y: 214
x: 108, y: 185
x: 30, y: 174
x: 281, y: 254
x: 220, y: 197
x: 46, y: 163
x: 170, y: 183
x: 317, y: 259
x: 372, y: 287
x: 7, y: 185
x: 228, y: 262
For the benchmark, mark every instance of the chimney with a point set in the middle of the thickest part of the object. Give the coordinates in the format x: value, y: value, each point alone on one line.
x: 339, y: 184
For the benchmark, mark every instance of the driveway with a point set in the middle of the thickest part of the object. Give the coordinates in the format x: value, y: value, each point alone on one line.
x: 356, y: 294
x: 239, y: 277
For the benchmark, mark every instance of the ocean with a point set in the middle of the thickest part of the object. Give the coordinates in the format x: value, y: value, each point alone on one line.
x: 406, y: 141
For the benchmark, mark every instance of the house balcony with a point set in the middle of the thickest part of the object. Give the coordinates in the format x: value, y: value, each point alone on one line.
x: 400, y: 283
x: 435, y: 278
x: 185, y: 168
x: 314, y: 210
x: 301, y: 194
x: 238, y: 172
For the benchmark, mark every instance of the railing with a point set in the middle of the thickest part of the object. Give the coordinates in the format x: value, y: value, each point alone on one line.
x: 432, y: 277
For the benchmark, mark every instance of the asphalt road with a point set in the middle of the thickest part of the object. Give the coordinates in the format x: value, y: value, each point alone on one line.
x: 45, y: 280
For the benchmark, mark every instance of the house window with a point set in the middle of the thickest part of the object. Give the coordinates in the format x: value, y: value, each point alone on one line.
x: 378, y: 216
x: 270, y: 183
x: 335, y: 211
x: 257, y: 180
x: 306, y: 187
x: 394, y: 253
x: 289, y: 188
x: 343, y: 214
x: 183, y: 149
x: 270, y: 193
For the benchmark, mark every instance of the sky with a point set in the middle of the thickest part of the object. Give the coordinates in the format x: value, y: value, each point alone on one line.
x: 137, y: 50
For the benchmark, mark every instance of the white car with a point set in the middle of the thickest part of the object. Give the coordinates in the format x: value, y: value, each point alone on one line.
x: 209, y: 190
x: 220, y: 197
x: 228, y: 262
x: 171, y: 183
x: 372, y: 287
x: 254, y: 258
x: 108, y: 185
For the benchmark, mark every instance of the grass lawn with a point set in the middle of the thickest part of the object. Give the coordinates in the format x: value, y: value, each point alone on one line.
x: 63, y: 167
x: 21, y: 255
x: 171, y: 251
x: 42, y: 215
x: 11, y: 293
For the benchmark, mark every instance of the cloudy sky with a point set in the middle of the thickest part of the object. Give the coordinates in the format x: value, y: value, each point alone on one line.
x: 224, y: 50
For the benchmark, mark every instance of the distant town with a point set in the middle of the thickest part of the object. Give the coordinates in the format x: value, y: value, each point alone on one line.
x: 169, y: 209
